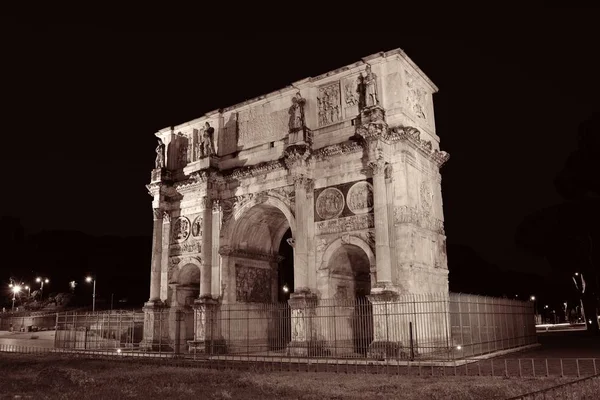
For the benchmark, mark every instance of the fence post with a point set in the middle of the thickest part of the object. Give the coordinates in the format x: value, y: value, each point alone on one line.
x: 56, y: 332
x: 412, y: 349
x: 177, y: 331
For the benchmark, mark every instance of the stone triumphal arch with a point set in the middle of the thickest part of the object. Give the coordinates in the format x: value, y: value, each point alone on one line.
x: 343, y: 167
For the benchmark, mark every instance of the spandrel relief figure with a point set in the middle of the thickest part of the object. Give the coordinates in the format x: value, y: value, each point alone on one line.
x: 160, y: 155
x: 207, y: 147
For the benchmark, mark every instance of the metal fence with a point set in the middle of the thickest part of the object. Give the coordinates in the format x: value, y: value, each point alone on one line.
x: 582, y: 389
x: 436, y: 327
x: 27, y: 322
x: 99, y: 330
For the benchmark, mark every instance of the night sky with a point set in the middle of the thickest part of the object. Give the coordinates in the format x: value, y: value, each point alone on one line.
x: 81, y: 106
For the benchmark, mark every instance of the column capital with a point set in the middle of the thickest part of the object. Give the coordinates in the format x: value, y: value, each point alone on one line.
x: 378, y: 167
x: 297, y: 156
x: 304, y: 182
x: 157, y: 213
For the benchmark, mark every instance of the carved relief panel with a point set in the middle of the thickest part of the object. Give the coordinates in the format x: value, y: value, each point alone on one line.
x: 260, y: 124
x: 351, y: 96
x: 329, y: 104
x: 426, y: 197
x: 344, y: 208
x: 416, y: 97
x: 252, y: 285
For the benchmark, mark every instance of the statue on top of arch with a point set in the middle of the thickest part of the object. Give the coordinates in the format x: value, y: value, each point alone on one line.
x: 206, y: 145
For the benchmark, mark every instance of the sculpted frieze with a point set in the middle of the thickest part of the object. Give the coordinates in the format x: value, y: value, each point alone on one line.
x: 413, y: 136
x: 329, y: 104
x: 337, y: 149
x: 191, y: 246
x: 406, y: 214
x: 346, y: 224
x: 254, y: 170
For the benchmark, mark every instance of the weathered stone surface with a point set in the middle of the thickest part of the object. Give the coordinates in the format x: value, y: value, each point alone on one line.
x: 348, y: 161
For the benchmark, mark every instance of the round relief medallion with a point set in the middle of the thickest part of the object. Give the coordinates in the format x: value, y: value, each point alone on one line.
x: 197, y: 227
x: 330, y: 203
x: 181, y: 229
x: 360, y: 198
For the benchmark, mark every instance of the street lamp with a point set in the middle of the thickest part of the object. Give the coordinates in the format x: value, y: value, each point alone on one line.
x: 88, y: 280
x: 41, y: 281
x: 16, y: 289
x: 28, y: 290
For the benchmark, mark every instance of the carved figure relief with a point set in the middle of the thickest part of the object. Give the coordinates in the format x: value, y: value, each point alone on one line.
x: 426, y: 197
x: 160, y: 155
x: 347, y: 224
x: 328, y: 104
x: 181, y: 229
x: 360, y: 198
x: 197, y: 227
x: 296, y: 112
x: 330, y: 203
x: 351, y: 92
x: 415, y: 97
x: 191, y: 246
x: 253, y: 285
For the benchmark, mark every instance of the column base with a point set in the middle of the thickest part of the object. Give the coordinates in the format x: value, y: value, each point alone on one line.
x: 304, y: 341
x: 212, y: 347
x: 207, y: 332
x: 307, y: 348
x: 156, y: 327
x: 385, y: 350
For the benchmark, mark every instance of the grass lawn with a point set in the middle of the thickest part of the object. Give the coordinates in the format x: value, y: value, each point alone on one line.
x: 54, y: 377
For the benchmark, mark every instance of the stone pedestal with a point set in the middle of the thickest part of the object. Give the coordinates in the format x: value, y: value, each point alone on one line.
x: 391, y: 334
x: 156, y: 327
x: 207, y: 329
x: 304, y: 341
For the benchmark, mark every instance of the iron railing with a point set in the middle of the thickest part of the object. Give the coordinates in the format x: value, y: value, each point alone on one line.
x: 492, y: 367
x: 582, y: 389
x: 429, y: 326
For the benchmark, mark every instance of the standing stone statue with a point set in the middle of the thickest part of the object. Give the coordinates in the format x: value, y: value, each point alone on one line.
x: 370, y: 83
x: 160, y: 155
x: 297, y: 113
x: 207, y: 137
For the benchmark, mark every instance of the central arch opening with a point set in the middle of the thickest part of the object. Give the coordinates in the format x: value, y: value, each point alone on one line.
x: 265, y: 230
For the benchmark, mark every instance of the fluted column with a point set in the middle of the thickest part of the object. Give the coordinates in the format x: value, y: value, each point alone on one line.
x: 210, y: 209
x: 156, y: 257
x: 164, y: 272
x: 382, y: 240
x: 303, y: 186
